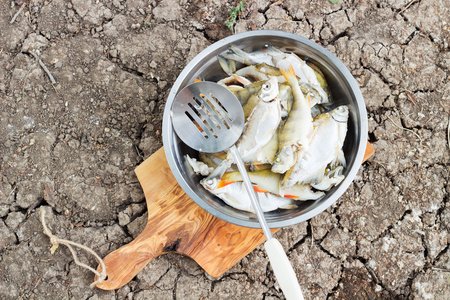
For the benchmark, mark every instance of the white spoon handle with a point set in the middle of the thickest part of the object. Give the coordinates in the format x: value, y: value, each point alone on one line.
x: 283, y: 270
x: 278, y: 259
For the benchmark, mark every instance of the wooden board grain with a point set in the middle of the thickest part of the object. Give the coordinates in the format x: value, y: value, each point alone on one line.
x: 177, y: 224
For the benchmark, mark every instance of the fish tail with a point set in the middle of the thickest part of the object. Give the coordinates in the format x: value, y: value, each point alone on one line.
x: 234, y: 53
x: 228, y: 66
x: 289, y: 74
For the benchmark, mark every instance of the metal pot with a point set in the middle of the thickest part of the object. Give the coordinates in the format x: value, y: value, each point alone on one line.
x: 344, y: 90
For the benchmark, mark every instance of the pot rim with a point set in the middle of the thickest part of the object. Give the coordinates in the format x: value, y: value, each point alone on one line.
x: 168, y: 140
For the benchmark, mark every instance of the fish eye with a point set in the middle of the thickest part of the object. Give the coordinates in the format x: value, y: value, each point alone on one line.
x: 266, y: 86
x: 277, y: 160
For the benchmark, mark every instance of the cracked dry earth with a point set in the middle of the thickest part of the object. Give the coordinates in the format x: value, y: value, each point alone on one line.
x: 80, y: 139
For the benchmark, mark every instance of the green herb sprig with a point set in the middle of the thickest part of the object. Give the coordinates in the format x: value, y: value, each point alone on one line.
x: 234, y: 14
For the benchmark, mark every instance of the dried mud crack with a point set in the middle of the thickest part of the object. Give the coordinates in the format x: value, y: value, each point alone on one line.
x: 114, y: 63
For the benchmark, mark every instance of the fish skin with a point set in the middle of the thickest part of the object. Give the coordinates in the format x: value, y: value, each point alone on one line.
x: 252, y: 74
x: 261, y: 124
x: 274, y: 57
x: 297, y: 129
x: 266, y: 155
x: 325, y: 148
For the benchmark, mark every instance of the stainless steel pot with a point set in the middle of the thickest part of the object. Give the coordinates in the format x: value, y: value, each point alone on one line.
x: 343, y: 87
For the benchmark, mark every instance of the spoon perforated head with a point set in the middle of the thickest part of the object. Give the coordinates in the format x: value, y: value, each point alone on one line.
x: 207, y: 117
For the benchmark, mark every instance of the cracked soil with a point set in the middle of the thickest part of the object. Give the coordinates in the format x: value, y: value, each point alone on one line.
x: 71, y: 147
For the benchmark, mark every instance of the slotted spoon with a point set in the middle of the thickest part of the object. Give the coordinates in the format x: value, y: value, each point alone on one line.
x: 208, y: 117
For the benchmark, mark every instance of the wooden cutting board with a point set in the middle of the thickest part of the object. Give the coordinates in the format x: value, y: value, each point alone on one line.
x: 177, y: 224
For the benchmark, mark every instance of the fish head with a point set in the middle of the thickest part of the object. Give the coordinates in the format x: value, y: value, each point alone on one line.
x: 284, y: 160
x: 340, y: 114
x: 269, y: 90
x: 210, y: 184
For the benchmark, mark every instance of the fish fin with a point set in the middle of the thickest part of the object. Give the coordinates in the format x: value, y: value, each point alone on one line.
x: 284, y: 73
x: 228, y: 66
x: 241, y: 79
x: 287, y: 73
x: 339, y: 160
x: 236, y: 54
x: 309, y: 100
x: 291, y: 71
x: 313, y: 133
x: 259, y: 189
x: 224, y: 183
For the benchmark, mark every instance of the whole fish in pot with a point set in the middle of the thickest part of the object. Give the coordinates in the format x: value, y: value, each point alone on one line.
x: 296, y: 131
x: 262, y: 122
x: 264, y: 55
x: 325, y: 148
x: 234, y: 194
x: 282, y: 60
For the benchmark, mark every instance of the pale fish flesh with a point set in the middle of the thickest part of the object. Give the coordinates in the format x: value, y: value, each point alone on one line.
x: 236, y: 196
x: 326, y: 147
x: 297, y: 129
x: 262, y: 122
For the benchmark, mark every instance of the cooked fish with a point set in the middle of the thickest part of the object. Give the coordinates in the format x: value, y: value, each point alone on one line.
x: 297, y: 129
x: 325, y: 148
x: 262, y: 122
x: 236, y: 196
